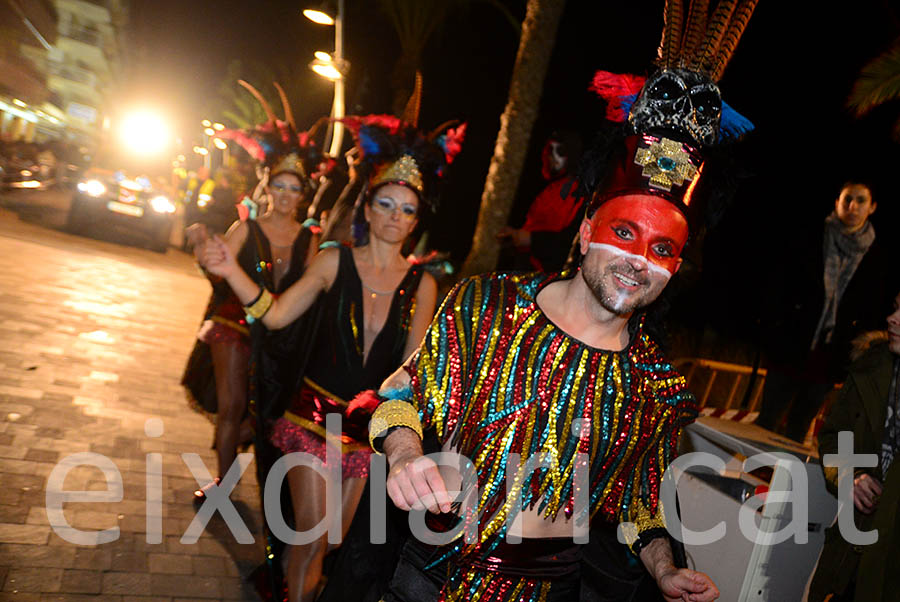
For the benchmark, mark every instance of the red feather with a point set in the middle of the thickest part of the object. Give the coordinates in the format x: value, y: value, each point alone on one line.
x: 613, y: 88
x: 246, y: 142
x: 285, y: 129
x: 389, y: 122
x: 453, y: 142
x: 365, y: 401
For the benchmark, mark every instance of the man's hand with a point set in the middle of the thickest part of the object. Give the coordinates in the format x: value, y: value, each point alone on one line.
x: 676, y: 585
x: 217, y: 258
x: 685, y: 585
x: 866, y: 491
x: 414, y: 481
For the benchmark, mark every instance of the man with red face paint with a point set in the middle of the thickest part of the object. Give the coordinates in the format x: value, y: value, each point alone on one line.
x: 637, y: 243
x: 560, y: 408
x: 551, y: 364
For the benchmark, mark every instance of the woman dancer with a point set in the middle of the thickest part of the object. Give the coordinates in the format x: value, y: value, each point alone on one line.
x: 375, y: 306
x: 274, y: 249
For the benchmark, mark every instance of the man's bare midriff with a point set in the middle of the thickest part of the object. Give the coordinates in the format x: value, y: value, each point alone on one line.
x: 529, y: 523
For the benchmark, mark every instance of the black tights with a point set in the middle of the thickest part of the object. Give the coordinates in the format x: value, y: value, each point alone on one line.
x: 230, y: 363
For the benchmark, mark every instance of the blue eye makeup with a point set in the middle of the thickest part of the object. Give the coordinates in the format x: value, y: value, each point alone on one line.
x: 387, y: 206
x: 282, y: 187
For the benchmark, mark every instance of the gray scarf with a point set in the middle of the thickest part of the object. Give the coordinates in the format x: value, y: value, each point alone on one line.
x: 843, y: 252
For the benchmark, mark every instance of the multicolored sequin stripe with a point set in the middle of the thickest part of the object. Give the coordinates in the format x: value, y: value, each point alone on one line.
x: 496, y: 377
x: 481, y: 586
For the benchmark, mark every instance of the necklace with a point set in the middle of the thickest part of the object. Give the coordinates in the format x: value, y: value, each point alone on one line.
x: 374, y: 292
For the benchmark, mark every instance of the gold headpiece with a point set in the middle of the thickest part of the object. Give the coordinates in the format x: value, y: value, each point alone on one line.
x: 402, y: 171
x: 290, y: 162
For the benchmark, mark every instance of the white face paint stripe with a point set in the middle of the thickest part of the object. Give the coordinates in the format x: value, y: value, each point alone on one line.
x: 661, y: 271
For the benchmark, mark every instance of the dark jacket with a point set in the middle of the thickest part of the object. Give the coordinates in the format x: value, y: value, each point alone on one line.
x: 792, y: 305
x: 861, y: 407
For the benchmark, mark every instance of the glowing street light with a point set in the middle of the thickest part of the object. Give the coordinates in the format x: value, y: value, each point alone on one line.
x: 209, y: 132
x: 206, y: 123
x: 144, y: 132
x: 328, y: 71
x: 332, y: 67
x: 318, y: 16
x: 201, y: 151
x: 218, y: 127
x: 220, y: 144
x: 322, y: 56
x: 18, y: 102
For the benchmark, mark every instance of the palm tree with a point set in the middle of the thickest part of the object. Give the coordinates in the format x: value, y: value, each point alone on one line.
x: 235, y: 107
x: 415, y: 21
x: 535, y: 47
x: 878, y: 83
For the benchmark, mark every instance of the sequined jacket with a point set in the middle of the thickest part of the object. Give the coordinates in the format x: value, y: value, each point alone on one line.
x: 494, y: 376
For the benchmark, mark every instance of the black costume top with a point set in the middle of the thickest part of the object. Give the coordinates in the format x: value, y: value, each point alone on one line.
x: 337, y: 364
x: 226, y: 310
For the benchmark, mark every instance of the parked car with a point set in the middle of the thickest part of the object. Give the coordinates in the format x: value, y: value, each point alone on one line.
x: 109, y: 199
x: 28, y: 176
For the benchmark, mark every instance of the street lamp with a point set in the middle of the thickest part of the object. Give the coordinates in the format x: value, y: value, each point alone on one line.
x: 318, y: 16
x: 327, y: 69
x: 332, y: 69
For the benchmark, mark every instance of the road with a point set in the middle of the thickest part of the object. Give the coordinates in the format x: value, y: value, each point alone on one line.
x: 93, y: 338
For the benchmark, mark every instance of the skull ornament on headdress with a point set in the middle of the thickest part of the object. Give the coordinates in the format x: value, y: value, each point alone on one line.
x: 678, y: 100
x: 677, y: 112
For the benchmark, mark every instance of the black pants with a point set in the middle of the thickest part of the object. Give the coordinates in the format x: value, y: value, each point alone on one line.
x: 790, y: 402
x: 412, y: 582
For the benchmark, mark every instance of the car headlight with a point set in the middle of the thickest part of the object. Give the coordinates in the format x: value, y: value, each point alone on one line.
x: 161, y: 204
x: 92, y: 187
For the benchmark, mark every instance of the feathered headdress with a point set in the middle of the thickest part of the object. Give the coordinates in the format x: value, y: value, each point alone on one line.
x: 394, y: 151
x: 276, y: 144
x: 692, y: 54
x: 677, y: 113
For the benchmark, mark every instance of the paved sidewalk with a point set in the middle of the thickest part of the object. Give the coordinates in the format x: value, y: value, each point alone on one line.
x: 93, y: 339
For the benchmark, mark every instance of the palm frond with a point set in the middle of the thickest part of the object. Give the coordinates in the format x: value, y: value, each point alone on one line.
x: 415, y: 21
x: 507, y: 14
x: 878, y: 83
x: 239, y: 120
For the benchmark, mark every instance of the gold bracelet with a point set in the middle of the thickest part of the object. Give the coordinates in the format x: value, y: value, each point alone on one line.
x: 393, y: 413
x: 259, y: 307
x: 642, y: 520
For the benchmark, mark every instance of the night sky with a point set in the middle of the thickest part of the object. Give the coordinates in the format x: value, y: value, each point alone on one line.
x: 791, y: 75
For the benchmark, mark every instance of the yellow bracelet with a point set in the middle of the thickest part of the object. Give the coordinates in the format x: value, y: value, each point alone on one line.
x: 393, y: 413
x: 642, y: 520
x: 259, y: 307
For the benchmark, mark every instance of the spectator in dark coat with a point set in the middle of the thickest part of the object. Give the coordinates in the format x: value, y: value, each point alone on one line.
x: 832, y: 289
